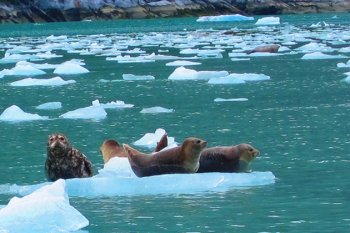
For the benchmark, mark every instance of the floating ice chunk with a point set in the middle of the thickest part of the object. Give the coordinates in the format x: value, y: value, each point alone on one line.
x: 116, y: 166
x: 314, y: 47
x: 44, y: 66
x: 70, y: 67
x: 56, y: 81
x: 131, y: 77
x: 230, y: 100
x: 151, y: 139
x: 15, y: 114
x: 343, y: 65
x: 156, y: 109
x: 57, y: 38
x: 112, y: 104
x: 45, y: 210
x: 129, y: 59
x: 250, y: 77
x: 182, y: 73
x: 182, y: 63
x: 347, y: 79
x: 156, y: 57
x: 22, y: 69
x: 91, y: 112
x: 345, y: 50
x: 220, y: 18
x: 49, y: 106
x: 268, y: 21
x: 226, y: 80
x: 13, y: 58
x: 319, y: 55
x: 47, y: 55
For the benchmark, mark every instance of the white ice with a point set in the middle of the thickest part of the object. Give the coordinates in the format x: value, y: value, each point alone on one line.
x: 345, y: 50
x: 56, y: 81
x: 226, y: 80
x: 112, y: 104
x: 44, y: 66
x: 239, y: 78
x: 132, y: 77
x: 150, y: 140
x: 230, y: 100
x: 49, y: 106
x: 13, y: 58
x: 156, y: 109
x: 91, y: 112
x: 70, y: 67
x: 268, y: 21
x: 182, y: 73
x: 16, y: 114
x: 347, y: 79
x: 219, y: 18
x: 116, y: 166
x: 314, y: 47
x: 182, y: 63
x: 319, y: 55
x: 45, y: 210
x: 22, y: 69
x: 344, y: 65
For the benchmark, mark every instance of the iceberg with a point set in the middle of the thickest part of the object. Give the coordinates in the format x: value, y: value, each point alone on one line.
x: 56, y: 81
x: 150, y: 140
x: 182, y: 73
x: 131, y: 77
x: 182, y: 63
x: 230, y: 100
x: 344, y: 65
x: 268, y: 21
x: 70, y: 67
x: 49, y: 106
x: 156, y: 109
x: 22, y: 69
x: 15, y: 114
x: 45, y: 210
x: 319, y: 55
x: 91, y: 112
x: 112, y: 104
x: 227, y: 18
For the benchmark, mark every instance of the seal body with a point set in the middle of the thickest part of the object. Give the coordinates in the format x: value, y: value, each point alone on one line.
x: 111, y: 148
x: 180, y: 159
x: 227, y: 158
x: 266, y: 49
x: 64, y: 161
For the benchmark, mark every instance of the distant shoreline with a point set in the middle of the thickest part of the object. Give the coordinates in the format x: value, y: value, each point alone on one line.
x: 37, y: 11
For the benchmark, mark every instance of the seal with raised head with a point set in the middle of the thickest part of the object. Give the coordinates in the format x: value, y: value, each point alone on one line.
x: 111, y: 148
x: 180, y: 159
x: 64, y: 161
x: 227, y: 158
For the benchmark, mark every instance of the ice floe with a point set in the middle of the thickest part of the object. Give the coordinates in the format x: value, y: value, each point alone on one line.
x: 344, y: 65
x: 226, y: 80
x: 116, y: 166
x: 56, y: 81
x: 319, y: 55
x: 70, y: 67
x: 112, y: 104
x: 150, y: 140
x: 314, y: 47
x: 22, y: 69
x: 230, y: 100
x: 13, y: 58
x: 182, y: 73
x: 271, y: 20
x: 132, y: 77
x: 49, y: 106
x: 16, y: 114
x: 183, y: 63
x: 156, y: 109
x: 220, y: 18
x: 45, y: 210
x: 91, y: 112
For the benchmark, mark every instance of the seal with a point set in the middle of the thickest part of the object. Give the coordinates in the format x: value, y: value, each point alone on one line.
x: 227, y: 158
x: 64, y: 161
x: 111, y: 148
x: 180, y: 159
x: 266, y: 49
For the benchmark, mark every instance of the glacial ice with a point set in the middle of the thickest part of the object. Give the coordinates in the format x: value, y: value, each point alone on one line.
x: 132, y: 77
x: 319, y: 55
x: 91, y: 112
x: 344, y: 65
x: 239, y: 78
x: 56, y: 81
x: 156, y: 109
x: 230, y: 100
x: 347, y: 79
x: 116, y: 166
x: 112, y: 104
x: 220, y: 18
x: 45, y: 210
x: 345, y: 50
x: 182, y: 63
x: 226, y: 80
x: 22, y: 69
x: 314, y: 47
x: 44, y: 66
x: 70, y: 67
x: 49, y: 106
x: 182, y: 73
x: 150, y: 140
x: 271, y: 20
x: 16, y: 114
x: 13, y: 58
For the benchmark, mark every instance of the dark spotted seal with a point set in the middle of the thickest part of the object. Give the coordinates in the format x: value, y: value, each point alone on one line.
x: 180, y: 159
x: 64, y: 161
x: 227, y: 158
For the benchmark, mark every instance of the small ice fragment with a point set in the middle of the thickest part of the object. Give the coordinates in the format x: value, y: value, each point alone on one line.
x: 268, y: 21
x: 230, y: 100
x: 49, y: 106
x: 70, y: 67
x: 156, y: 109
x: 15, y: 114
x: 151, y: 139
x: 227, y: 18
x: 131, y: 77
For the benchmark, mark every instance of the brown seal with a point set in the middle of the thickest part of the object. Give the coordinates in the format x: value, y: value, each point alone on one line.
x: 227, y: 158
x: 180, y: 159
x: 111, y: 148
x: 266, y: 49
x: 64, y: 161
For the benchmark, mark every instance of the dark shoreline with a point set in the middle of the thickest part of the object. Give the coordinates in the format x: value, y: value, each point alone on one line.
x: 20, y: 11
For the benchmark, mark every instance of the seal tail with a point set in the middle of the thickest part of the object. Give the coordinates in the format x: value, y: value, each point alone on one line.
x: 163, y: 142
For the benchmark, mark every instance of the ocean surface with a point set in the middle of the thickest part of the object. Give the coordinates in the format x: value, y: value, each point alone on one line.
x: 298, y: 118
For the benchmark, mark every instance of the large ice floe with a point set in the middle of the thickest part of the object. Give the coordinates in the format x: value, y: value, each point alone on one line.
x: 150, y: 140
x: 220, y: 18
x: 319, y: 56
x: 16, y: 114
x: 94, y: 112
x: 271, y: 20
x: 70, y: 67
x: 45, y: 210
x: 182, y: 73
x: 56, y: 81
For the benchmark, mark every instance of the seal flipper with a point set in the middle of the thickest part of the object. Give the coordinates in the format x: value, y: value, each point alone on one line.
x: 163, y: 142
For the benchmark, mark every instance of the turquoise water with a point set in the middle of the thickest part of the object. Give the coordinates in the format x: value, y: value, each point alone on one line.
x: 298, y: 120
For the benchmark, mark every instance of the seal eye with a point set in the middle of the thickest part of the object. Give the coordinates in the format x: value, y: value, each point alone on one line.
x: 198, y: 141
x: 61, y: 138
